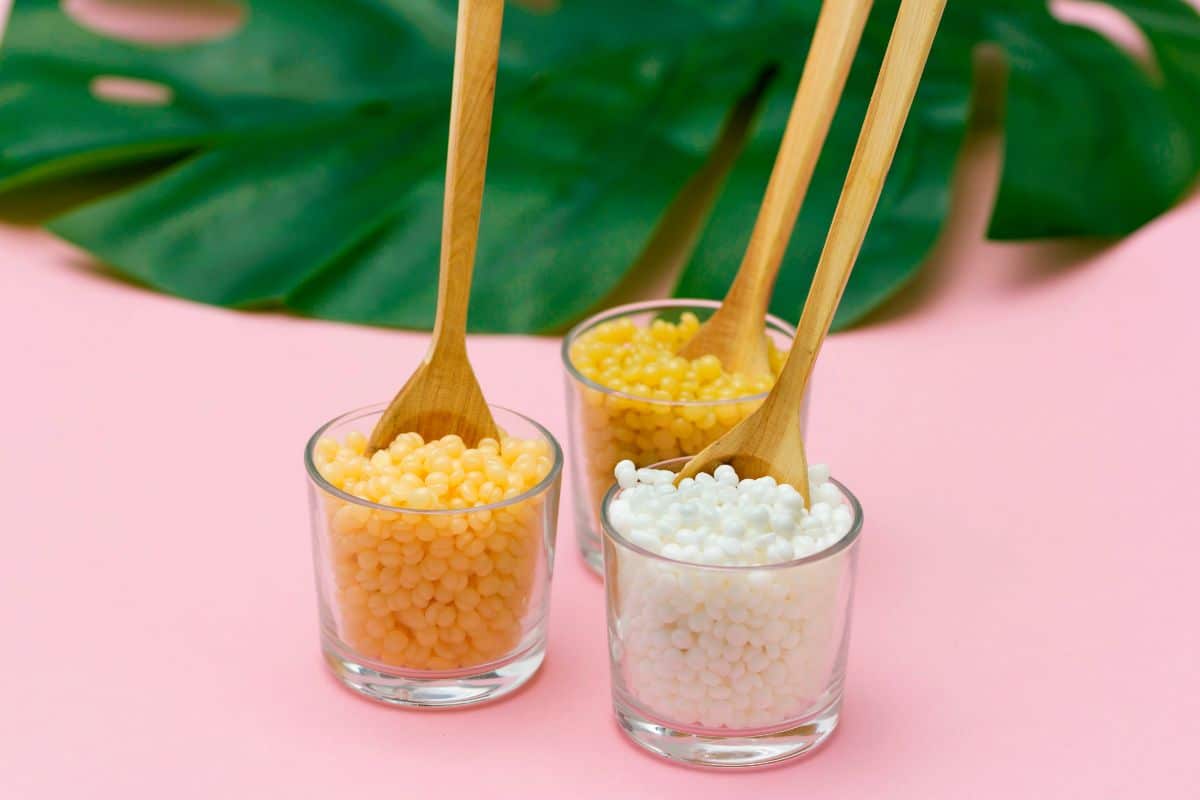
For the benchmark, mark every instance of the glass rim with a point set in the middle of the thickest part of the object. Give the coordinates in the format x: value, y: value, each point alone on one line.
x: 829, y: 552
x: 319, y: 480
x: 645, y: 305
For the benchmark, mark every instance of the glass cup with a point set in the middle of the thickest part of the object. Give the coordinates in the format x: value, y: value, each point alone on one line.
x: 433, y: 608
x: 728, y: 666
x: 606, y: 426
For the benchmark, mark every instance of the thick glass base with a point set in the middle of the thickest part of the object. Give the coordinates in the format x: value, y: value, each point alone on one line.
x: 419, y: 689
x: 732, y: 749
x: 589, y: 543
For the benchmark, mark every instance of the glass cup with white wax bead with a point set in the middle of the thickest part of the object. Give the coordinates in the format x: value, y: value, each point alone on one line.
x: 728, y: 611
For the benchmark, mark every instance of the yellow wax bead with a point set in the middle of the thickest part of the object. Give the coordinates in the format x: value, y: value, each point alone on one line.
x: 395, y: 641
x: 466, y: 598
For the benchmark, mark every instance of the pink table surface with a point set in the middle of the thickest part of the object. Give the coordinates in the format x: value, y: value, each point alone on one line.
x: 1021, y: 431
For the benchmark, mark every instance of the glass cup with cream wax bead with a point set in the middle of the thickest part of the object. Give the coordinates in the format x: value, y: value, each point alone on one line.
x: 731, y: 664
x: 433, y: 560
x: 630, y: 397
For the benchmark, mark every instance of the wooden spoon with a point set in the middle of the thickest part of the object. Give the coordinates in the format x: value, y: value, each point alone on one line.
x: 443, y: 396
x: 735, y: 333
x: 769, y: 441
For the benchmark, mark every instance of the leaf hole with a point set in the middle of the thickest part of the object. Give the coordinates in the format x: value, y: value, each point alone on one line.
x: 158, y: 21
x: 130, y: 91
x: 1110, y: 23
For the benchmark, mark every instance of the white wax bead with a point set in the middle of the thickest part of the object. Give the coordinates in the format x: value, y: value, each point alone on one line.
x: 626, y: 474
x: 672, y: 550
x: 744, y: 684
x: 695, y: 659
x: 779, y: 551
x: 683, y: 638
x: 758, y: 579
x: 646, y: 539
x: 818, y: 473
x: 733, y: 525
x: 782, y: 523
x: 737, y: 635
x: 725, y: 474
x: 757, y: 517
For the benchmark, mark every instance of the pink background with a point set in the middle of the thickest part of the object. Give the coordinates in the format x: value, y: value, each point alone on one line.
x: 1021, y: 429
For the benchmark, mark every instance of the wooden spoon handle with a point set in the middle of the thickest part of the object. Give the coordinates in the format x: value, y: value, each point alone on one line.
x: 907, y: 51
x: 477, y: 51
x: 835, y: 41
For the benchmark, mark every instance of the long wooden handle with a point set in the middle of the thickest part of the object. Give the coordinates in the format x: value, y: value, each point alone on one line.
x: 835, y: 41
x: 476, y: 53
x: 903, y: 63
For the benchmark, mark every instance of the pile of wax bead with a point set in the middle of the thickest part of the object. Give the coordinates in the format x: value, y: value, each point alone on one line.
x: 687, y: 403
x: 717, y: 519
x: 433, y: 591
x: 738, y: 648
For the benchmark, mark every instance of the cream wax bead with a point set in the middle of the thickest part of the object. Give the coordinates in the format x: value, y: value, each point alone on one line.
x: 728, y: 604
x: 632, y: 397
x: 433, y: 557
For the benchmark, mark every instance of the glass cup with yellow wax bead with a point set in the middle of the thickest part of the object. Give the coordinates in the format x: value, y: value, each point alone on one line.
x: 433, y: 559
x: 631, y: 396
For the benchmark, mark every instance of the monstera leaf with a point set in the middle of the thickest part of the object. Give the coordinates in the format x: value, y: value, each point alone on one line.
x: 304, y: 153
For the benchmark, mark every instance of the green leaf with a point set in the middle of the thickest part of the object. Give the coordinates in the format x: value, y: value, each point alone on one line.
x: 311, y: 143
x: 1092, y: 145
